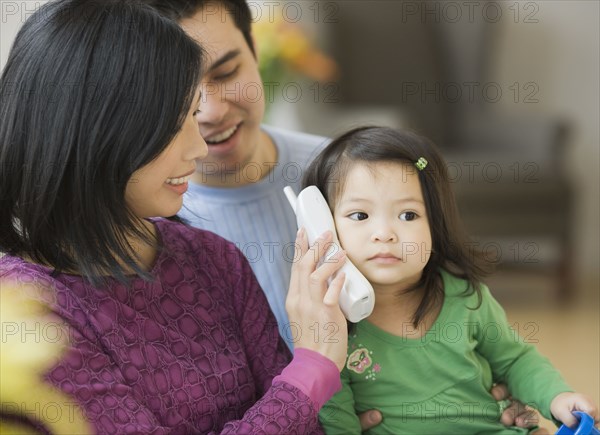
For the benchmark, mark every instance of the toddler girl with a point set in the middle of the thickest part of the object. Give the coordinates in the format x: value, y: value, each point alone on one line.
x: 436, y: 338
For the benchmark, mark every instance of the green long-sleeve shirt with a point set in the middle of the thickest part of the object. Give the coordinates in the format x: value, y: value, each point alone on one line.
x: 440, y: 383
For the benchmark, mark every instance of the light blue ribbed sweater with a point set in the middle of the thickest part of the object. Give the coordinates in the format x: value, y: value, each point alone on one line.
x: 257, y: 217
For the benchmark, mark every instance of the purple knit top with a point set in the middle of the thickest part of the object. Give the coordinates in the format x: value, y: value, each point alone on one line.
x: 195, y: 351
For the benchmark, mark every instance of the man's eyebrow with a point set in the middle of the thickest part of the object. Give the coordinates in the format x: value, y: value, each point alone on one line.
x: 225, y: 58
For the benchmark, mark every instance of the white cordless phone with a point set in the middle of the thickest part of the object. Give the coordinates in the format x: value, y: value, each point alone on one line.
x: 312, y: 212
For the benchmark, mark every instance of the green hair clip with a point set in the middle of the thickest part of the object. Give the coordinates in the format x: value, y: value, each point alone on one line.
x: 421, y: 163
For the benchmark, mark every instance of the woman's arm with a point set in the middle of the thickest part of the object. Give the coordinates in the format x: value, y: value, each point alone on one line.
x: 292, y: 400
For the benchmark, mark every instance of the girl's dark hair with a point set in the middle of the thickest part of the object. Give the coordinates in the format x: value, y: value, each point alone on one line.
x: 451, y: 250
x: 180, y: 9
x: 91, y: 92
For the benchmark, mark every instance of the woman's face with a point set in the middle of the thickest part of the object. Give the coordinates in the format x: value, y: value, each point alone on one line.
x: 157, y: 188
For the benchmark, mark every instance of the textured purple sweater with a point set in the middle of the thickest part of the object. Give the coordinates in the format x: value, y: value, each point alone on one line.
x: 195, y: 351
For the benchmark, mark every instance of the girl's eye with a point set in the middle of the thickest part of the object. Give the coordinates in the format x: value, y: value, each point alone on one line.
x: 358, y: 216
x: 226, y: 75
x: 408, y: 216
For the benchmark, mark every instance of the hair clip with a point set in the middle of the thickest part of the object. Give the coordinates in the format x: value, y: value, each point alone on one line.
x: 421, y: 163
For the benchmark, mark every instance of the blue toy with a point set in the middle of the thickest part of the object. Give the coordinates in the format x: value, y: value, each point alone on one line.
x: 585, y: 426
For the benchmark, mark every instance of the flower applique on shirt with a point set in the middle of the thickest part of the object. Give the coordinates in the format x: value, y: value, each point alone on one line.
x: 360, y: 361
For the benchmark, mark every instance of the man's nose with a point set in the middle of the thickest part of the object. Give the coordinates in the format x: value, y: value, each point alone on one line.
x: 213, y: 105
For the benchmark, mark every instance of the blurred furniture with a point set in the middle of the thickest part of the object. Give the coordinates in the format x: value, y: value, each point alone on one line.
x: 507, y: 168
x: 513, y: 194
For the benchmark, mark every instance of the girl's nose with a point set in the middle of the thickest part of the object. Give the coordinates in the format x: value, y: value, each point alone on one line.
x: 384, y: 234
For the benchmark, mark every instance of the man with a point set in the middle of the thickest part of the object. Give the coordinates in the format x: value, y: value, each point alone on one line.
x: 248, y: 163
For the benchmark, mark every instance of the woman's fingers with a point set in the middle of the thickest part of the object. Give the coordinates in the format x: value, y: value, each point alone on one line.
x: 300, y: 246
x: 328, y: 268
x: 332, y: 296
x: 312, y: 303
x: 306, y: 262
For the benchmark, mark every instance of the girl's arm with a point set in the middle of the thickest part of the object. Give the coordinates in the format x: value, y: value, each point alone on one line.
x: 338, y: 415
x: 530, y: 376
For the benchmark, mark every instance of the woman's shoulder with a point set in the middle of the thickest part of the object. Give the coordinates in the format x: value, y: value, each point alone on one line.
x: 172, y: 231
x: 36, y: 281
x: 179, y: 238
x: 16, y: 268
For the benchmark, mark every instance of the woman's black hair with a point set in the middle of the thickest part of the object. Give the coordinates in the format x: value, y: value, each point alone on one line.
x: 91, y: 92
x: 450, y: 250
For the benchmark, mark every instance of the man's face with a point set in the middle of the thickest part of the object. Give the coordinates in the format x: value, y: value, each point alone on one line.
x: 232, y: 104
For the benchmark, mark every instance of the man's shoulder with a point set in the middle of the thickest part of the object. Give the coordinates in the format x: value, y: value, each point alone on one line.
x: 294, y: 147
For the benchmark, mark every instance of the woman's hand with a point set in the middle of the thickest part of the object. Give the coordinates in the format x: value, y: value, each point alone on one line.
x: 316, y: 320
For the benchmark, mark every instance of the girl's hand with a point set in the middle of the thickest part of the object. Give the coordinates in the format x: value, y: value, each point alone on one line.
x: 564, y: 404
x: 316, y: 320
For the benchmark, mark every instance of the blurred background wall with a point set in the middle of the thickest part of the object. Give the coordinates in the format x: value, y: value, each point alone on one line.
x: 510, y: 93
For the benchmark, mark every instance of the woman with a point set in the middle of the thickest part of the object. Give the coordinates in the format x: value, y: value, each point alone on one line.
x: 170, y: 331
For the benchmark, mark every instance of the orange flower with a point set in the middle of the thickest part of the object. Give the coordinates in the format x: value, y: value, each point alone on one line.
x: 285, y: 48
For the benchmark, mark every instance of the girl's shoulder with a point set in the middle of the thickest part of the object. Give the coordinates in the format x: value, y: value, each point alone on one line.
x: 455, y: 286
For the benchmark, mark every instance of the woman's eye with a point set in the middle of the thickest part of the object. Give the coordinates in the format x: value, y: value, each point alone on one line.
x: 408, y: 216
x: 358, y: 216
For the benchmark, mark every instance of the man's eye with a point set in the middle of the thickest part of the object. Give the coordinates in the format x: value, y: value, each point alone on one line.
x: 227, y: 75
x: 408, y: 216
x: 358, y: 216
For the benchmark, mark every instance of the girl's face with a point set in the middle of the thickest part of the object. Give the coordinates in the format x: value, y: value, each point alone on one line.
x: 157, y: 188
x: 382, y: 223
